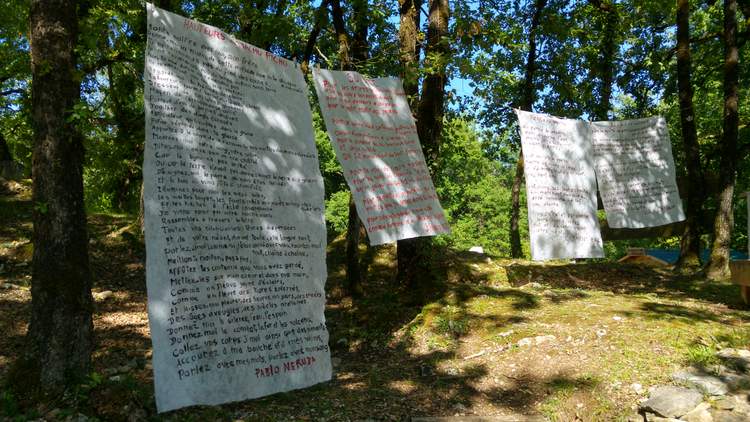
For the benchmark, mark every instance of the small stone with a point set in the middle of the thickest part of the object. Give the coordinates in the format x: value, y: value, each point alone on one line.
x: 343, y: 342
x: 708, y: 384
x: 335, y: 362
x: 617, y: 318
x: 505, y: 333
x: 101, y: 296
x: 544, y: 339
x: 477, y: 249
x: 699, y: 414
x: 601, y: 332
x: 532, y: 285
x: 671, y: 401
x: 116, y: 378
x: 637, y: 388
x: 524, y: 342
x: 109, y: 371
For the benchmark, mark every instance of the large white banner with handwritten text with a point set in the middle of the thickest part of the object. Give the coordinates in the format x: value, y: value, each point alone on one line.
x: 235, y: 236
x: 560, y: 187
x: 635, y: 170
x: 375, y: 139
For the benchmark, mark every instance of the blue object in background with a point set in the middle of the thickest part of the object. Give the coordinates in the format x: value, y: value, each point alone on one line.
x: 671, y: 255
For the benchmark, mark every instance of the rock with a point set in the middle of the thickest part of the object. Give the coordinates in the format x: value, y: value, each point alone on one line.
x: 637, y: 388
x: 725, y: 403
x: 617, y: 318
x: 739, y: 358
x: 708, y: 384
x: 343, y: 342
x: 116, y: 378
x: 650, y: 417
x: 10, y: 286
x: 477, y: 249
x: 532, y: 285
x: 529, y: 341
x: 335, y: 362
x: 101, y: 296
x: 736, y: 381
x: 699, y: 414
x: 635, y: 418
x: 426, y: 370
x: 727, y: 416
x: 671, y: 401
x: 601, y: 332
x: 742, y: 404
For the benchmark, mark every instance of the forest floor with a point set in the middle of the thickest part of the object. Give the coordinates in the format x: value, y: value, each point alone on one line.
x: 488, y: 337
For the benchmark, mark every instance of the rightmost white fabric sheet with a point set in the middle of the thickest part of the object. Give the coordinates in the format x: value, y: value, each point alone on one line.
x: 636, y: 173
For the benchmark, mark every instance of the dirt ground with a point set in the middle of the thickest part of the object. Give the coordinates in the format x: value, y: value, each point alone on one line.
x: 487, y: 337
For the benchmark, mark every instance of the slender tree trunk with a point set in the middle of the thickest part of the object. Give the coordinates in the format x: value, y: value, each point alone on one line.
x: 407, y: 250
x: 60, y: 336
x: 312, y: 39
x: 607, y: 59
x: 354, y: 224
x: 527, y: 102
x: 718, y: 264
x: 408, y: 36
x: 690, y: 242
x: 4, y: 150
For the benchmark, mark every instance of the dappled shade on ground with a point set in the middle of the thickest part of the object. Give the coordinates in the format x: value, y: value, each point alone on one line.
x: 487, y: 337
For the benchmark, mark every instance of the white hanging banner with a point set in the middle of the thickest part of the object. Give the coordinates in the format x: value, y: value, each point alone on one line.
x: 560, y: 187
x: 636, y: 174
x: 235, y: 233
x: 375, y: 139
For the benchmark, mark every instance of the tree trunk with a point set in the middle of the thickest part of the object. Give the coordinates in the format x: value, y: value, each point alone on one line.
x: 718, y: 264
x: 690, y: 242
x: 527, y: 103
x: 408, y: 34
x: 607, y: 59
x: 60, y: 336
x: 413, y: 254
x: 354, y: 224
x: 4, y: 150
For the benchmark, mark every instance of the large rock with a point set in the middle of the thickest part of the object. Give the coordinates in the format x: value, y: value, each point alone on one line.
x: 671, y: 401
x: 739, y: 358
x: 727, y: 416
x: 699, y: 414
x: 708, y: 384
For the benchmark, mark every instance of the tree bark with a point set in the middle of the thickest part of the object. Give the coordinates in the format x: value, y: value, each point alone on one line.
x: 4, y: 150
x: 354, y: 224
x: 718, y: 264
x: 413, y: 259
x: 690, y: 242
x: 60, y: 336
x: 607, y: 59
x: 312, y: 39
x: 407, y: 250
x: 527, y: 103
x: 408, y: 36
